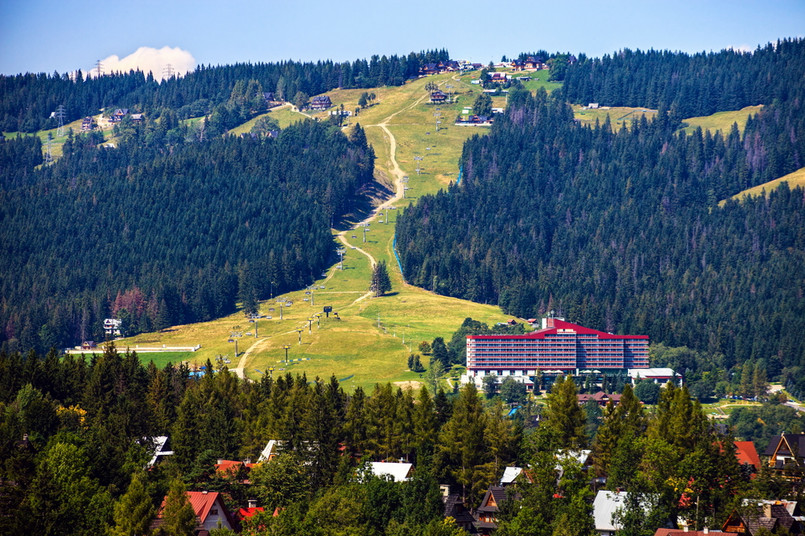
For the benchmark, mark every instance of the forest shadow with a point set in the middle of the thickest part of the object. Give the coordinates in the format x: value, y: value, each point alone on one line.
x: 362, y: 205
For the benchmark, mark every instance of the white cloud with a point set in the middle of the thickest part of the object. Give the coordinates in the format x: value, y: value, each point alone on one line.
x: 148, y: 59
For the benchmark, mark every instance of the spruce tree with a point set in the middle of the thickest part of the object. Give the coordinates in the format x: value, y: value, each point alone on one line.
x: 565, y: 417
x: 178, y: 515
x: 380, y: 279
x: 134, y: 511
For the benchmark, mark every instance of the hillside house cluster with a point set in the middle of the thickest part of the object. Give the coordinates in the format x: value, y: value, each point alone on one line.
x: 483, y: 518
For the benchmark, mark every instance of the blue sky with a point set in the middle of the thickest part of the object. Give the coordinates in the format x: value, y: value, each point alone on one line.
x: 47, y: 36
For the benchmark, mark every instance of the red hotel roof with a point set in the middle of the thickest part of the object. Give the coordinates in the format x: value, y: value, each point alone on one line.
x: 557, y: 325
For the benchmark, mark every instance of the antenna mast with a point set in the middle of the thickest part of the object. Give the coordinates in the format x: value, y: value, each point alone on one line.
x: 99, y: 68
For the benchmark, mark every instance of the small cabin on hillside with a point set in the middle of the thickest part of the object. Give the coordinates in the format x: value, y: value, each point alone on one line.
x: 119, y: 114
x: 321, y: 102
x: 438, y: 97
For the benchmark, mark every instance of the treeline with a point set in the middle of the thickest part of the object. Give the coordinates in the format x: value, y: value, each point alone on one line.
x: 159, y: 235
x: 86, y: 421
x: 85, y: 451
x: 621, y: 230
x: 689, y: 85
x: 29, y: 99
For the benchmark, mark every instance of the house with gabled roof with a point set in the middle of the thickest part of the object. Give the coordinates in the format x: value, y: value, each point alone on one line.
x: 321, y: 102
x: 210, y: 511
x: 601, y: 398
x: 119, y: 114
x: 250, y: 511
x: 454, y: 507
x: 88, y: 123
x: 763, y: 517
x: 234, y: 469
x: 786, y: 455
x: 488, y: 513
x: 161, y: 448
x: 396, y: 471
x: 747, y: 456
x: 438, y: 97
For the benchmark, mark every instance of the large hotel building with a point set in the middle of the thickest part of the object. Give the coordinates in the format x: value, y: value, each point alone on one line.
x: 558, y: 348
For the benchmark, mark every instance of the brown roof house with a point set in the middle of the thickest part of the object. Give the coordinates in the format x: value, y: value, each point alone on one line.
x: 764, y: 517
x: 786, y: 453
x: 487, y: 513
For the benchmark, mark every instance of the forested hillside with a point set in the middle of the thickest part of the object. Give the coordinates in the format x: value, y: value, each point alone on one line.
x: 622, y: 230
x: 29, y: 99
x: 689, y: 85
x: 162, y: 234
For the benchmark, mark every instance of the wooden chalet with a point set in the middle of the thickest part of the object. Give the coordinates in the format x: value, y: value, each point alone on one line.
x: 438, y: 97
x: 429, y: 68
x: 321, y: 102
x: 87, y: 124
x: 118, y: 115
x: 454, y: 507
x: 765, y: 518
x: 533, y: 64
x: 600, y: 398
x: 487, y: 514
x: 499, y: 78
x: 137, y: 118
x: 786, y: 455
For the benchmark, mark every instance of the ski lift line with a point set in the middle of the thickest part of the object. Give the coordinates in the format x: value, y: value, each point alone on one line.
x: 394, y: 243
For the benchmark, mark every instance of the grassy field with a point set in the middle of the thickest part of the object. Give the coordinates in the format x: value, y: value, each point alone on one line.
x: 721, y: 121
x: 374, y: 336
x: 618, y: 115
x: 797, y: 178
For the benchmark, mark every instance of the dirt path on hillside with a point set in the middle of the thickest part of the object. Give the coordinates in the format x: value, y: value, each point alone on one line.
x: 399, y: 190
x: 398, y: 175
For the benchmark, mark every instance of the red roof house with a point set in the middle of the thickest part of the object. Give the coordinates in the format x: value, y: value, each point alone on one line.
x: 209, y: 509
x: 747, y: 454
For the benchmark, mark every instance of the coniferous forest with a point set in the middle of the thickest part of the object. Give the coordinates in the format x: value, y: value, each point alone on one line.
x: 622, y: 229
x: 75, y: 438
x: 618, y: 229
x: 164, y: 233
x: 29, y: 99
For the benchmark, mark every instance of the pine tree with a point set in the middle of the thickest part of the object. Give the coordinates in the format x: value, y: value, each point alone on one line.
x: 380, y: 279
x: 134, y: 511
x: 462, y: 448
x: 565, y: 417
x: 178, y: 515
x: 439, y: 352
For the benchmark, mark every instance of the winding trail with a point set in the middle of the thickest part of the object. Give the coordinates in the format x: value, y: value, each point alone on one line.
x: 398, y: 174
